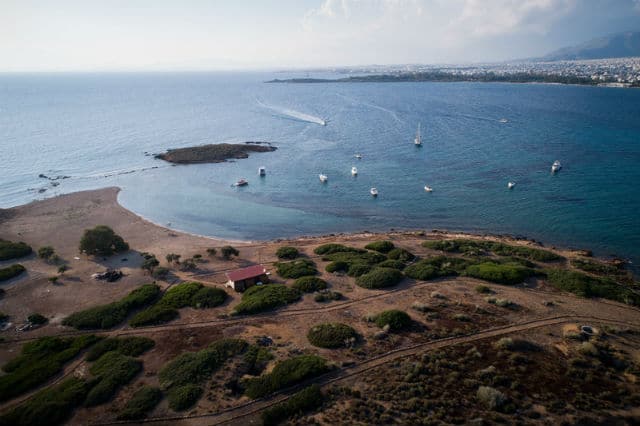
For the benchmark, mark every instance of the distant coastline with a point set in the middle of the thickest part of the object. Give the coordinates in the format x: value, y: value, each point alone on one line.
x: 446, y: 77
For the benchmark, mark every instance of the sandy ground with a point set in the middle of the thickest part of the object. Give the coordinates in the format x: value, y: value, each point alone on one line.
x: 60, y: 221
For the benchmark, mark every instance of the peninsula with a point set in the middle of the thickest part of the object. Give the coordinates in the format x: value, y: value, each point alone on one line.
x: 214, y: 153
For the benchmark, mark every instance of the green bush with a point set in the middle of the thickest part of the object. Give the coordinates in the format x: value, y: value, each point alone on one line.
x: 256, y: 359
x: 367, y: 257
x: 331, y: 335
x: 478, y: 247
x: 436, y: 267
x: 141, y: 403
x: 10, y: 250
x: 39, y: 360
x: 130, y: 346
x: 266, y: 297
x: 395, y: 319
x: 287, y: 252
x: 228, y: 251
x: 37, y: 319
x: 286, y: 373
x: 380, y: 246
x: 307, y: 399
x: 184, y: 397
x: 380, y: 278
x: 46, y: 252
x: 327, y: 295
x: 393, y: 264
x: 192, y: 294
x: 160, y: 273
x: 401, y: 255
x: 107, y: 316
x: 336, y: 248
x: 50, y: 406
x: 588, y: 286
x: 358, y: 269
x: 499, y: 273
x: 309, y: 284
x: 483, y: 289
x: 595, y: 267
x: 296, y: 269
x: 337, y: 266
x: 102, y: 241
x: 11, y: 272
x: 112, y: 370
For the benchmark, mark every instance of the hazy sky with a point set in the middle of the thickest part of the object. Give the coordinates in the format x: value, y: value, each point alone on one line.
x: 55, y: 35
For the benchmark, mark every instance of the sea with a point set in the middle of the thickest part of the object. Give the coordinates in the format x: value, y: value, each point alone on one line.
x: 66, y: 132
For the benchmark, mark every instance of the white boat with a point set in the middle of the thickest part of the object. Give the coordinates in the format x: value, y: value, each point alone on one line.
x: 262, y: 171
x: 510, y: 185
x: 354, y: 171
x: 323, y: 178
x: 418, y: 139
x: 556, y: 166
x: 428, y: 188
x: 373, y: 192
x: 504, y: 120
x: 241, y: 182
x: 358, y: 156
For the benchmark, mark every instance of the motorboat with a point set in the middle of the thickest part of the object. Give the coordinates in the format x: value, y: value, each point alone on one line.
x: 556, y: 166
x: 358, y: 156
x: 417, y: 141
x: 241, y: 182
x: 354, y: 171
x: 510, y: 185
x: 428, y: 188
x: 323, y: 178
x: 373, y: 192
x: 262, y: 171
x: 503, y: 120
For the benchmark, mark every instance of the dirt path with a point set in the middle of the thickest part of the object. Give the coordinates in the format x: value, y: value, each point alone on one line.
x: 255, y: 406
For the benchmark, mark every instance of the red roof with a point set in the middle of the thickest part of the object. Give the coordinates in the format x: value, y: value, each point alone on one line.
x: 245, y: 273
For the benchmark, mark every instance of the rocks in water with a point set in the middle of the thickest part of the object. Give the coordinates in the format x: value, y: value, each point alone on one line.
x: 110, y: 275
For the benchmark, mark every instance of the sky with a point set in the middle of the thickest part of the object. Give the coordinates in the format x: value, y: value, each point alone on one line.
x: 132, y: 35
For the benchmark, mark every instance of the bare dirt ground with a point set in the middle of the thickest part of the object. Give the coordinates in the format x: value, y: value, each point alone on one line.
x: 455, y: 308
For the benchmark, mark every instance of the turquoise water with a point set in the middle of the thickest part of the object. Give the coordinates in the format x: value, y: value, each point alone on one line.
x: 96, y: 129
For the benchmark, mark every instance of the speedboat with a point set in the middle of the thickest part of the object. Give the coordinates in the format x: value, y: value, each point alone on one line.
x: 323, y: 178
x: 428, y: 188
x: 354, y: 171
x: 556, y: 166
x: 503, y: 120
x: 510, y: 185
x: 241, y: 182
x: 358, y: 156
x: 417, y: 141
x: 262, y: 171
x: 373, y: 192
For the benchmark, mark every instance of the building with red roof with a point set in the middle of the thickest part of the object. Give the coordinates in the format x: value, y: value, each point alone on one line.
x: 242, y: 279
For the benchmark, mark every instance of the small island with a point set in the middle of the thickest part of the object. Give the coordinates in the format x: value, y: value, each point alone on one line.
x: 214, y: 153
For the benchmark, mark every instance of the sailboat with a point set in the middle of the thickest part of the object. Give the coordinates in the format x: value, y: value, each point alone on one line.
x: 418, y: 139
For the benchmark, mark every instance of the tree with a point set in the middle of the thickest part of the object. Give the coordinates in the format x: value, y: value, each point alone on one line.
x: 150, y: 262
x: 212, y: 251
x: 228, y: 251
x: 46, y: 252
x: 62, y: 269
x: 173, y: 258
x: 102, y: 241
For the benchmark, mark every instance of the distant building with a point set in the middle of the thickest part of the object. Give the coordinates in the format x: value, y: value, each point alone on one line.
x: 242, y: 279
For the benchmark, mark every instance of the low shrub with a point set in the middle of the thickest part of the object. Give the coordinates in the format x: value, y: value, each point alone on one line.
x: 380, y: 246
x: 11, y: 271
x: 209, y: 297
x: 490, y: 397
x: 503, y: 303
x: 228, y: 251
x: 46, y: 252
x: 112, y: 370
x: 379, y: 278
x: 141, y: 403
x: 332, y: 335
x: 327, y: 296
x: 421, y: 307
x: 306, y: 400
x: 478, y: 247
x: 154, y: 315
x: 160, y: 273
x: 394, y: 319
x: 588, y: 286
x: 286, y: 373
x: 266, y: 297
x: 393, y: 264
x: 183, y: 397
x: 499, y: 273
x: 483, y: 289
x: 296, y: 269
x: 435, y: 267
x: 130, y: 346
x: 39, y: 360
x: 107, y: 316
x: 401, y: 255
x: 37, y: 319
x: 10, y: 250
x: 50, y: 406
x: 367, y: 257
x: 309, y: 284
x: 595, y: 267
x: 287, y: 252
x: 102, y: 241
x: 358, y: 269
x: 337, y: 266
x: 256, y: 359
x: 336, y: 248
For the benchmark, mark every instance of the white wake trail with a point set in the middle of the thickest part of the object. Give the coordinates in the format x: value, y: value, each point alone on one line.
x: 292, y: 114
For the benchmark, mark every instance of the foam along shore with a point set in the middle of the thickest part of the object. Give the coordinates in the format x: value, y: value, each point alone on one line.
x: 214, y: 153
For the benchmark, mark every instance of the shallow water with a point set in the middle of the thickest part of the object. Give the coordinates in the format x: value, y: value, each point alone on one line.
x: 96, y: 129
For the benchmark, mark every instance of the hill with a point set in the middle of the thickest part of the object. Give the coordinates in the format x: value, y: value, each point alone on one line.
x: 621, y: 45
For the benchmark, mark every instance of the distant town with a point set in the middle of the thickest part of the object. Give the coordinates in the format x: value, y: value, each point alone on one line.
x: 616, y: 72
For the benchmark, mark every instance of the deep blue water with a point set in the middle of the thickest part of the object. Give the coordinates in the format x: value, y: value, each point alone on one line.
x: 97, y: 127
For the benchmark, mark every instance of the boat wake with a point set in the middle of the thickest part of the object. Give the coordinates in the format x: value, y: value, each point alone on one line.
x: 292, y: 114
x: 373, y: 106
